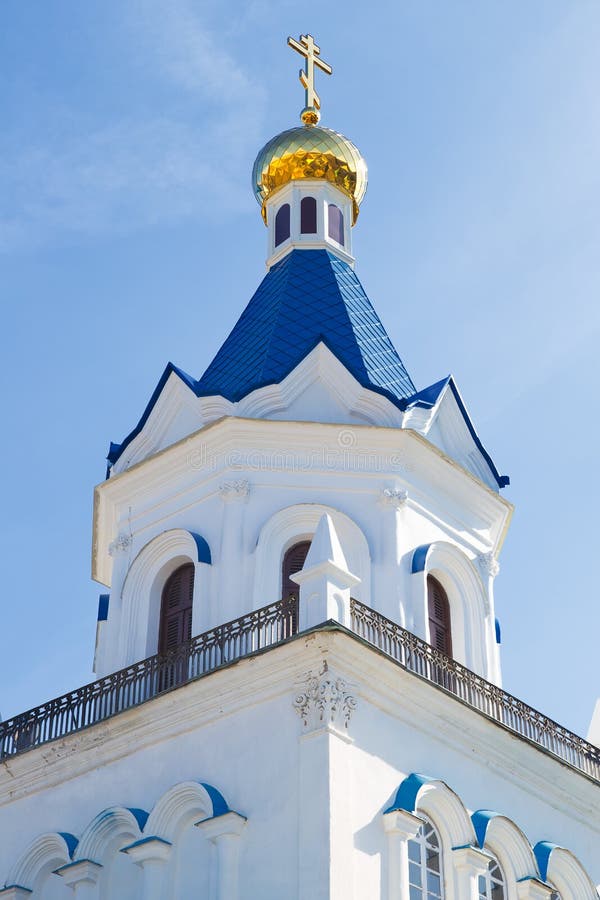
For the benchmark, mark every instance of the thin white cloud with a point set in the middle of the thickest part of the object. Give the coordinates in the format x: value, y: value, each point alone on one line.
x: 139, y: 170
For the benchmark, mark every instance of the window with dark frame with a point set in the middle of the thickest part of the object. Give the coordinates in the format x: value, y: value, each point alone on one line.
x: 282, y: 224
x: 335, y: 223
x: 308, y: 215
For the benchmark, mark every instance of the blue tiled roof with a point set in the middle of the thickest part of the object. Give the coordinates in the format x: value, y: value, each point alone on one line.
x: 308, y: 297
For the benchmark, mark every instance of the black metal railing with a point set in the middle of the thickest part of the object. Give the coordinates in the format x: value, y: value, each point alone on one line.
x: 267, y: 627
x: 146, y: 679
x: 421, y: 658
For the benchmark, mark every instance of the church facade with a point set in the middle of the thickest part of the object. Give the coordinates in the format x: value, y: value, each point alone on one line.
x: 298, y: 680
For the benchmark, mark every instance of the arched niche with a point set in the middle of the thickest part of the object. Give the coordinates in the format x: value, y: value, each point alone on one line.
x: 503, y: 839
x: 101, y: 842
x: 143, y: 585
x: 467, y: 596
x: 296, y: 523
x: 561, y: 868
x: 34, y: 869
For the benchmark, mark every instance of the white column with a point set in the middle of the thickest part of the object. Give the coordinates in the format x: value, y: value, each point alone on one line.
x: 533, y: 889
x: 224, y: 831
x: 324, y: 581
x: 151, y: 854
x: 469, y: 864
x: 400, y: 826
x: 489, y: 568
x: 82, y: 877
x: 232, y: 603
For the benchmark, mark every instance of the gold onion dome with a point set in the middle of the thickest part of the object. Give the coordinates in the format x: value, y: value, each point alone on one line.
x: 309, y: 151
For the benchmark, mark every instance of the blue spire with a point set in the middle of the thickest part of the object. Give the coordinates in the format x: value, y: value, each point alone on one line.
x: 307, y: 297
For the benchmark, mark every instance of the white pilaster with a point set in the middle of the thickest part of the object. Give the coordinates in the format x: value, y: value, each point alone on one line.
x: 387, y: 583
x: 325, y: 702
x: 234, y: 495
x: 325, y: 581
x: 224, y: 831
x: 151, y: 854
x: 400, y: 826
x: 469, y: 864
x: 82, y: 877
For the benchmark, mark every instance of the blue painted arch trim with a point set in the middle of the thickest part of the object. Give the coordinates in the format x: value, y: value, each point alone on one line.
x: 140, y: 816
x: 407, y: 793
x: 542, y: 852
x: 219, y: 803
x: 204, y: 554
x: 70, y: 840
x: 419, y: 558
x: 481, y: 819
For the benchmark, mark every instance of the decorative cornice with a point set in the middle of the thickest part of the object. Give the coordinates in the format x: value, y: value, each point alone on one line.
x: 488, y: 564
x: 121, y: 544
x: 324, y: 699
x: 234, y: 490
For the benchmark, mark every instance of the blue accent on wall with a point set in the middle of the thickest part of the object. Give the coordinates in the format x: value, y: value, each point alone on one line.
x: 219, y: 804
x: 498, y: 631
x: 140, y: 815
x: 103, y: 601
x: 419, y: 558
x: 481, y: 819
x: 70, y: 840
x: 542, y: 852
x: 406, y: 795
x: 203, y: 548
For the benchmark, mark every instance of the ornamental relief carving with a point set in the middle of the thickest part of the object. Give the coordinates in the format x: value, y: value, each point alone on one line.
x: 121, y: 544
x: 325, y: 698
x: 488, y: 564
x: 234, y: 490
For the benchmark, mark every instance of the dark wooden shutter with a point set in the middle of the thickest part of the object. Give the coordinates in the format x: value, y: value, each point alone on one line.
x: 440, y: 635
x: 176, y: 609
x: 293, y: 562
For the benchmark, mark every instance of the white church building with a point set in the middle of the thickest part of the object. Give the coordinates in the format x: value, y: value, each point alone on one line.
x: 299, y: 690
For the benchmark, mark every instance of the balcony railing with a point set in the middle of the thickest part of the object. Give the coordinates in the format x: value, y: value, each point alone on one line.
x: 146, y: 679
x: 421, y: 658
x: 267, y: 627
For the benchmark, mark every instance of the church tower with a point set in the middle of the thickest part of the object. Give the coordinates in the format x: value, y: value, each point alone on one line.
x: 298, y: 687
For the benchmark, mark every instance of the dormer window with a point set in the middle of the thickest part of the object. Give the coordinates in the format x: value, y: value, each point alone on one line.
x: 282, y: 224
x: 440, y: 635
x: 335, y: 224
x: 308, y: 215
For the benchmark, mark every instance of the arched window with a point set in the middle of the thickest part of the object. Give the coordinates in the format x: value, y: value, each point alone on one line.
x: 440, y: 635
x: 491, y: 885
x: 336, y: 223
x: 425, y: 864
x: 176, y: 609
x: 308, y: 215
x: 293, y: 562
x: 282, y: 224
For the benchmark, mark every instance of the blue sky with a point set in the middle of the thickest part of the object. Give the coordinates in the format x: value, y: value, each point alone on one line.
x: 129, y: 236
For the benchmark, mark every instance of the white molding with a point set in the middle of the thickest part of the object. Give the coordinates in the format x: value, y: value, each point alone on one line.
x: 45, y: 854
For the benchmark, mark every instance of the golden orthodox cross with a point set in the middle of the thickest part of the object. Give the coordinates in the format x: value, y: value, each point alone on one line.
x: 307, y: 48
